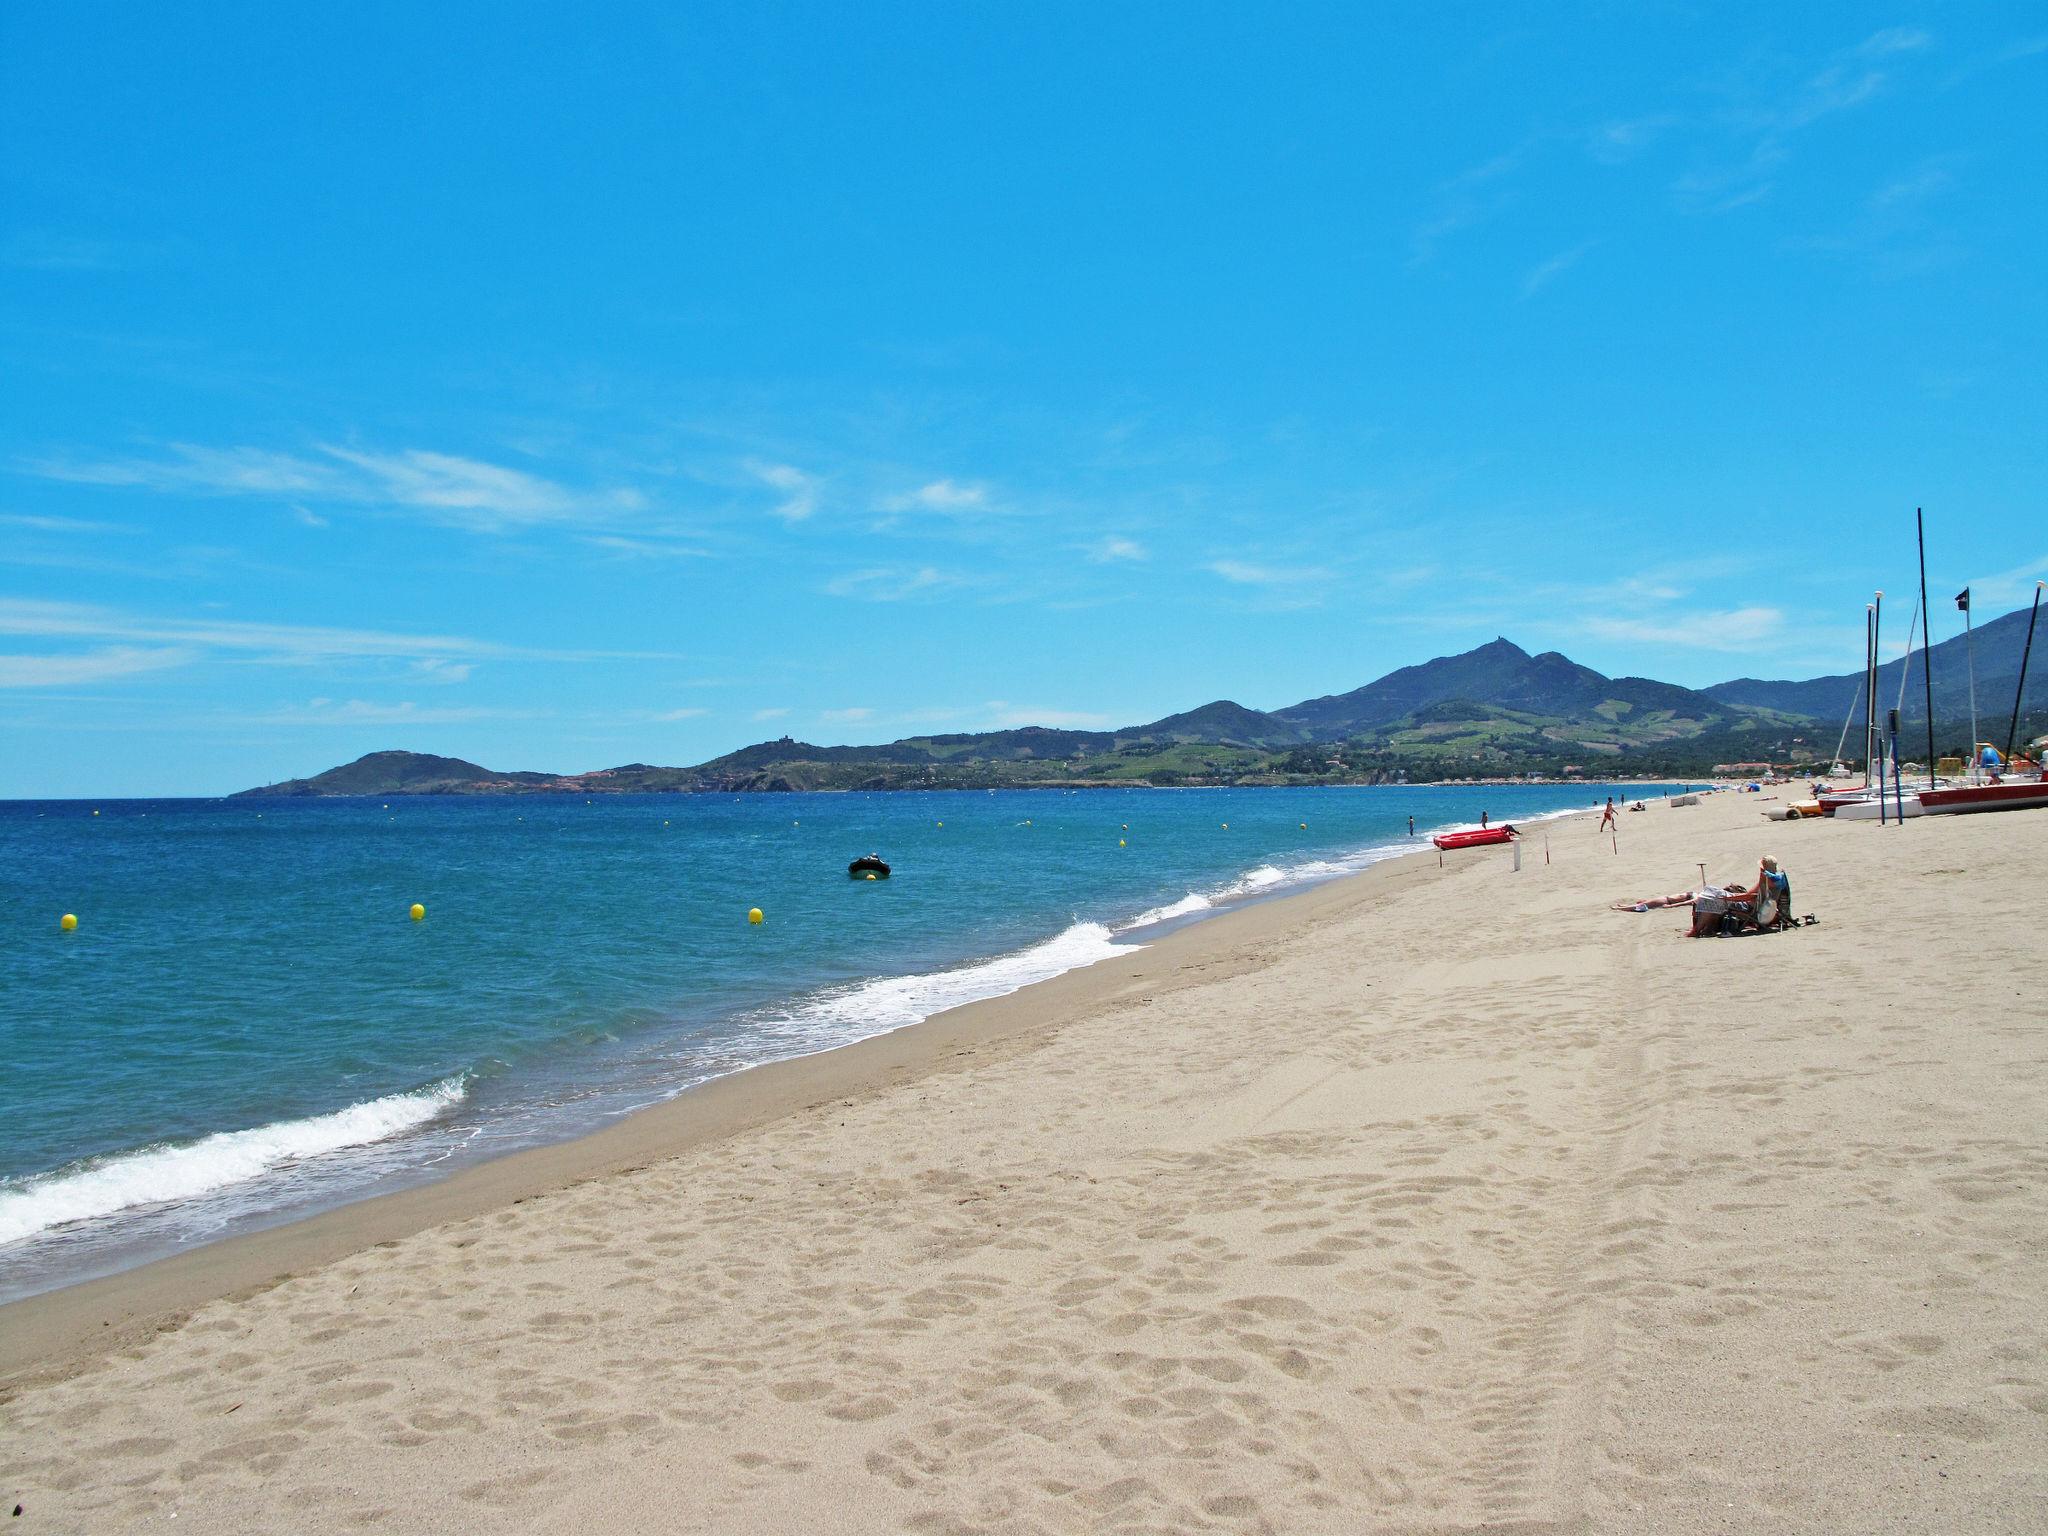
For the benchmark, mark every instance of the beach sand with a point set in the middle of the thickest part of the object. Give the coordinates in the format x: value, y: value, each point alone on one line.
x: 1431, y: 1200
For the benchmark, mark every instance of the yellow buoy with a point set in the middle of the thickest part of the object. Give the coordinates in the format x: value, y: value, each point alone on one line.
x: 95, y: 813
x: 942, y: 823
x: 1304, y: 826
x: 873, y: 876
x: 1123, y: 843
x: 754, y: 915
x: 68, y: 921
x: 418, y: 911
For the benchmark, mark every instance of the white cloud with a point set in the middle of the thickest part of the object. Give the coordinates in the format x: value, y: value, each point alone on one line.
x: 1116, y: 547
x: 647, y: 549
x: 1470, y: 198
x: 2013, y: 587
x: 59, y: 524
x: 1894, y: 40
x: 1614, y: 142
x: 887, y: 584
x: 846, y: 716
x: 1544, y: 273
x: 18, y: 671
x: 679, y: 714
x: 769, y: 714
x: 292, y: 643
x: 1738, y: 629
x: 435, y: 670
x: 1246, y: 573
x: 365, y: 712
x: 940, y: 496
x: 799, y: 490
x: 448, y: 488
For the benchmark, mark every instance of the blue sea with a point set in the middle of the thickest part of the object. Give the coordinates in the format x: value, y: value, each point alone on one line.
x: 247, y: 1024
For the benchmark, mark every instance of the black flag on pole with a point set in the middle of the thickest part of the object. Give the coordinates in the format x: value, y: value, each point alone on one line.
x: 1963, y: 599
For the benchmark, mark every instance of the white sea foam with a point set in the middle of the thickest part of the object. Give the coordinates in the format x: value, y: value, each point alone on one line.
x: 1268, y: 878
x: 159, y: 1174
x: 890, y: 1002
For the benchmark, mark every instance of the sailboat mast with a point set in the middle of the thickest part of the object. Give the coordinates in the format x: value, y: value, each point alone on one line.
x: 1876, y: 652
x: 2014, y: 729
x: 1926, y: 642
x: 1970, y: 651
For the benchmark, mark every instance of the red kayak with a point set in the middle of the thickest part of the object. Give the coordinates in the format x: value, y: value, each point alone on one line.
x: 1475, y: 839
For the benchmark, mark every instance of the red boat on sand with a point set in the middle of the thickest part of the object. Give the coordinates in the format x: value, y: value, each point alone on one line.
x: 1477, y: 838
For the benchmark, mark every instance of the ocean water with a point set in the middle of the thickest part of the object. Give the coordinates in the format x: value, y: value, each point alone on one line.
x: 246, y: 1025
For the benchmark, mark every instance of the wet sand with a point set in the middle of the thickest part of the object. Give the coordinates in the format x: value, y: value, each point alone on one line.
x: 1431, y: 1200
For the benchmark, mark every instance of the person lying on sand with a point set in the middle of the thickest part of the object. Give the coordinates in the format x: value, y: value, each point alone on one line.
x: 1652, y: 903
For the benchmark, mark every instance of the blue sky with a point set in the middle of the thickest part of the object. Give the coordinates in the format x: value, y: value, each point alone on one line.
x: 560, y: 388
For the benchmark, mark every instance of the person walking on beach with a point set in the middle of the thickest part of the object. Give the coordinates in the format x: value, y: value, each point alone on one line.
x: 1607, y: 816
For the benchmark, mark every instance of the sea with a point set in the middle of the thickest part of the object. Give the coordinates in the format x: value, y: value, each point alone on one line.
x: 247, y: 1024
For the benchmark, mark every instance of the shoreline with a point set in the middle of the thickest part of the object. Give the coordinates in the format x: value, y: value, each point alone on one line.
x: 52, y: 1332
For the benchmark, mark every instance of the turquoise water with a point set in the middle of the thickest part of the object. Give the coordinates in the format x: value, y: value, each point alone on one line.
x: 246, y: 1024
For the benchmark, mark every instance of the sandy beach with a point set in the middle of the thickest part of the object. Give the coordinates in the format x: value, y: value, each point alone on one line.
x: 1435, y: 1199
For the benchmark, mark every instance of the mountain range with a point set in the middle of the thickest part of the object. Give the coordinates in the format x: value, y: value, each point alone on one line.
x: 1491, y: 711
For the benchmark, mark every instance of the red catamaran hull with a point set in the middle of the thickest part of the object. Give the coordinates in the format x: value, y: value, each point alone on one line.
x: 2009, y: 796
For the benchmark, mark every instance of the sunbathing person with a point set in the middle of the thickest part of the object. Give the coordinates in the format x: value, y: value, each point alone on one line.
x: 1652, y: 903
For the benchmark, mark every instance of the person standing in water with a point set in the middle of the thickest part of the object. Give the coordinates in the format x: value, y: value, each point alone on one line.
x: 1411, y: 826
x: 1482, y: 821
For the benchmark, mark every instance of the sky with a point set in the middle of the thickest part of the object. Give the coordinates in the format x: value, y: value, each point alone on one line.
x: 560, y: 387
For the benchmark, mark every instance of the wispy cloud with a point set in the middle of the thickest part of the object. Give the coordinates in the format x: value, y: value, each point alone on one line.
x: 940, y: 496
x: 799, y: 491
x: 1544, y: 273
x: 39, y: 524
x: 1623, y: 139
x: 17, y: 671
x: 768, y: 714
x: 367, y: 712
x: 448, y: 488
x: 1249, y: 574
x: 1735, y: 630
x: 42, y: 250
x: 1765, y: 125
x: 1114, y: 548
x: 849, y: 716
x: 180, y: 641
x: 645, y: 548
x: 2013, y: 586
x: 1465, y: 201
x: 891, y: 584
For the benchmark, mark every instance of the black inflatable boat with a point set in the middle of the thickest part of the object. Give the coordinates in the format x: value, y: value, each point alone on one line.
x: 869, y: 867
